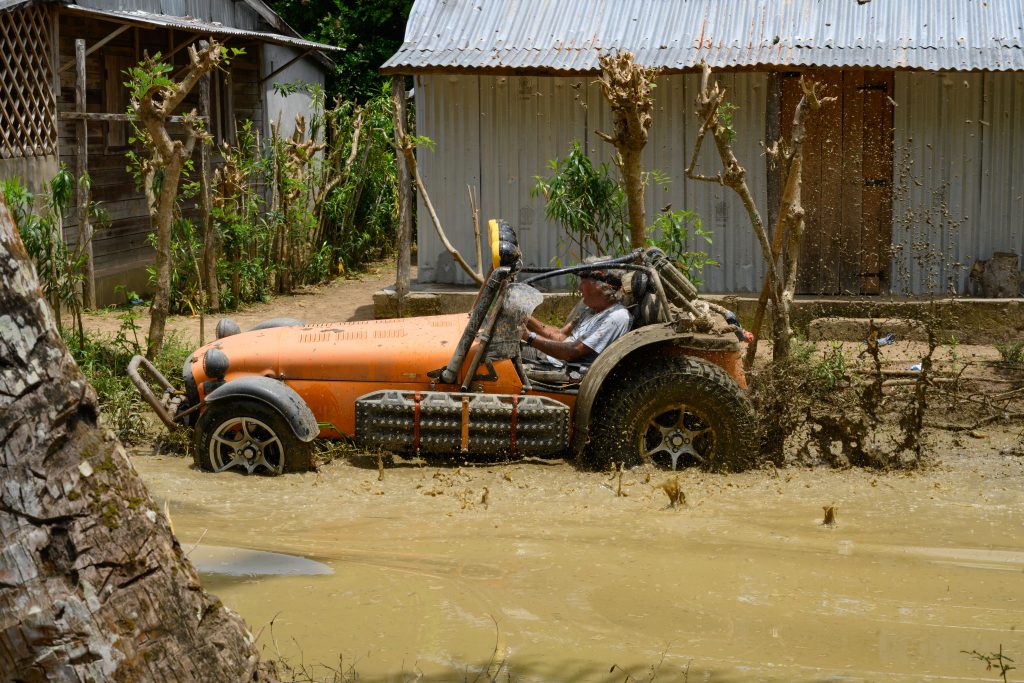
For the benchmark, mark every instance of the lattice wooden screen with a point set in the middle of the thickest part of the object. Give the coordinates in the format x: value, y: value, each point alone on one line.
x: 27, y: 102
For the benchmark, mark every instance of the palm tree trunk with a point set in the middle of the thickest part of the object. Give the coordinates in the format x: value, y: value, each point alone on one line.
x: 93, y: 584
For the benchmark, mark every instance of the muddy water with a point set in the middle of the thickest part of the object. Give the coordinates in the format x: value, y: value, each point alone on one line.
x: 557, y: 578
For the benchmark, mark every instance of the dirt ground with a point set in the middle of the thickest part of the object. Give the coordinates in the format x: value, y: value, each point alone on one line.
x: 349, y: 298
x: 537, y: 571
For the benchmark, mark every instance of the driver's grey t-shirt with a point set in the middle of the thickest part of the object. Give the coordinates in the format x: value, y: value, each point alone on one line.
x: 598, y: 330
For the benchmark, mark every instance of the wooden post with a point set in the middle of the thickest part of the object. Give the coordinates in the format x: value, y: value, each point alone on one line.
x: 209, y: 238
x: 81, y: 170
x: 55, y: 75
x: 772, y: 133
x: 404, y: 180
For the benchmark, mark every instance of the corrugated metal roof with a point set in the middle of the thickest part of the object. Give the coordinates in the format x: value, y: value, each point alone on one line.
x: 187, y: 24
x: 676, y: 35
x: 197, y: 25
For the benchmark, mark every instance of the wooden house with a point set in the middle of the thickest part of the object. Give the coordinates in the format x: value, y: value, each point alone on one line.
x: 63, y: 100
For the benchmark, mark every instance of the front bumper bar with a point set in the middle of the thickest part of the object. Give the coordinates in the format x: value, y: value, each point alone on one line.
x: 166, y: 406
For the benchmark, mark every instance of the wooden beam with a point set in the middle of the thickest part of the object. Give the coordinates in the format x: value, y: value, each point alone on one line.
x: 209, y: 277
x: 81, y: 171
x: 54, y: 74
x: 284, y: 66
x: 116, y: 118
x: 113, y: 34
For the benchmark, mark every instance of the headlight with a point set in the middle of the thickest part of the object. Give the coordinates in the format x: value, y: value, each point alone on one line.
x: 504, y: 244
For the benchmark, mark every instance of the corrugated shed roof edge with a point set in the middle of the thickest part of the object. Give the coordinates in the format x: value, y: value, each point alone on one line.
x: 905, y: 59
x: 565, y: 36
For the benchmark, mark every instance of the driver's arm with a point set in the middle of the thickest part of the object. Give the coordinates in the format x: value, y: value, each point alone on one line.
x: 562, y: 350
x: 548, y: 332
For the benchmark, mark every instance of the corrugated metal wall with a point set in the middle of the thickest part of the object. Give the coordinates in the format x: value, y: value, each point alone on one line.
x: 499, y: 132
x: 958, y: 174
x: 958, y: 185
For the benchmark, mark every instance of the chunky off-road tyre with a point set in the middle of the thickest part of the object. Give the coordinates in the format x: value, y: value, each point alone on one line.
x: 673, y: 411
x: 249, y: 436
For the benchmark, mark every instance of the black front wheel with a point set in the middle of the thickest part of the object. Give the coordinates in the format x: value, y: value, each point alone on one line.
x: 248, y: 436
x: 676, y: 411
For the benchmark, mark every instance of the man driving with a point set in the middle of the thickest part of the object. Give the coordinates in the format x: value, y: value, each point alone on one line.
x: 603, y: 320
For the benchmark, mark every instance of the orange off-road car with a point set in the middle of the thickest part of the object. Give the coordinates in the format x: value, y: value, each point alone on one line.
x: 670, y: 391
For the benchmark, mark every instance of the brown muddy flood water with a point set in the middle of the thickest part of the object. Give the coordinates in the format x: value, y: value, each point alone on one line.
x: 557, y: 578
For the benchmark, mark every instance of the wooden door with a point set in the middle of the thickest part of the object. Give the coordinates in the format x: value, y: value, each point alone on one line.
x: 847, y: 182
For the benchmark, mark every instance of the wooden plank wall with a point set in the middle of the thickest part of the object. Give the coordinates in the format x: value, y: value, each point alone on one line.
x: 846, y: 191
x: 122, y: 247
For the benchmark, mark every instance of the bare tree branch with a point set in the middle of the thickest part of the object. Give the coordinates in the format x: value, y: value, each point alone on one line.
x: 779, y: 286
x: 405, y: 147
x: 627, y: 87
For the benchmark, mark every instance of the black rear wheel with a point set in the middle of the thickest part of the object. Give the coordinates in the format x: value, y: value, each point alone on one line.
x: 673, y: 412
x: 248, y: 436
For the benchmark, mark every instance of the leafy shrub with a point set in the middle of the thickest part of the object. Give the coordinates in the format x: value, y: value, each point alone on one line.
x: 587, y: 201
x: 61, y: 267
x: 1012, y: 353
x: 677, y: 233
x: 591, y: 206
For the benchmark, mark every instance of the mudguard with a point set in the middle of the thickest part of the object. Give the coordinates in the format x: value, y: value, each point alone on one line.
x: 648, y: 337
x: 277, y: 322
x: 275, y: 394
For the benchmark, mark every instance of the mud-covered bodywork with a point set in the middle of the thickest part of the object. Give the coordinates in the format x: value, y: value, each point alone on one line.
x: 330, y: 365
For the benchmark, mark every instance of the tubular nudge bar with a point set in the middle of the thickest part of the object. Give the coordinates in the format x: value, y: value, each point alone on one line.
x: 166, y: 406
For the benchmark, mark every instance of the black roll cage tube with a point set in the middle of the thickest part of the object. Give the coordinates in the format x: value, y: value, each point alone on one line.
x: 485, y: 310
x: 623, y: 263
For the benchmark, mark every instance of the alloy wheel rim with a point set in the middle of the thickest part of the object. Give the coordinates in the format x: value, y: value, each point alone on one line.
x: 246, y: 443
x: 678, y: 433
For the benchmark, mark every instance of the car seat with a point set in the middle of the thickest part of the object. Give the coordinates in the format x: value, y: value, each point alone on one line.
x: 642, y: 301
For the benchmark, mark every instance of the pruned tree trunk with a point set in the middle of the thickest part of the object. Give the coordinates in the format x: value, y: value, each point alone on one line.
x: 153, y: 108
x: 781, y: 286
x: 791, y: 210
x: 627, y: 87
x: 93, y: 584
x: 340, y: 174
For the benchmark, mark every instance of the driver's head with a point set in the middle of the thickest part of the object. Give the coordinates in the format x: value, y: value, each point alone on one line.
x: 604, y: 283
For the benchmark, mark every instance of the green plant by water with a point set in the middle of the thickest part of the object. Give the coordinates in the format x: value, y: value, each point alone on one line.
x: 331, y: 204
x: 997, y: 662
x: 588, y: 202
x: 297, y: 207
x: 678, y: 234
